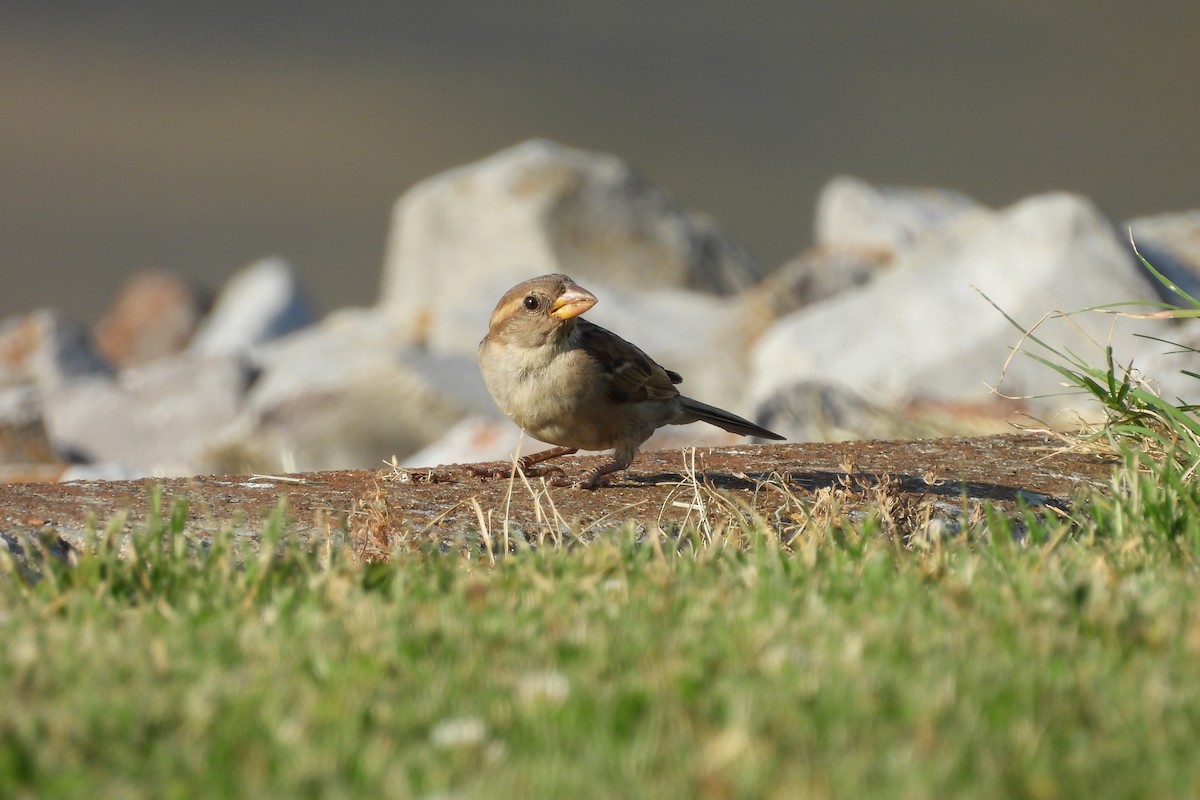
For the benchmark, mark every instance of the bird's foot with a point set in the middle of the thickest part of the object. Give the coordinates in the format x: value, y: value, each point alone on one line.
x: 476, y: 471
x: 532, y: 471
x: 588, y: 481
x: 594, y: 479
x: 530, y: 465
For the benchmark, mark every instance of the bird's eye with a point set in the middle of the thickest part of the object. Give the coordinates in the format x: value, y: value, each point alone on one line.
x: 531, y: 303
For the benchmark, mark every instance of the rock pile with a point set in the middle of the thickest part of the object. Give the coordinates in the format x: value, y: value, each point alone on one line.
x: 891, y: 324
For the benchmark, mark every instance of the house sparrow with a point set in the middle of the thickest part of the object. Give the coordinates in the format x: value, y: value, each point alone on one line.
x: 570, y: 383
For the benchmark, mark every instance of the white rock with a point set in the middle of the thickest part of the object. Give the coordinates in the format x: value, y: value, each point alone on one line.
x: 20, y: 405
x: 1171, y: 243
x: 810, y: 411
x: 1166, y: 367
x: 47, y: 349
x: 105, y: 472
x: 924, y: 330
x: 156, y: 419
x: 475, y: 439
x: 261, y: 302
x: 854, y: 215
x: 349, y: 392
x: 813, y: 276
x: 539, y: 208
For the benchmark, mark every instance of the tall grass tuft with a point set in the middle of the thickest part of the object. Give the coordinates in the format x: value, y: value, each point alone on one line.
x: 1136, y: 413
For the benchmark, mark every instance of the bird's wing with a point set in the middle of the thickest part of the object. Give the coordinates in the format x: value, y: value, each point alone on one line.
x: 634, y: 377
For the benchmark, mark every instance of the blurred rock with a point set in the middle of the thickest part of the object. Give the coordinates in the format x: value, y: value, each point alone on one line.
x: 155, y: 420
x: 878, y: 331
x: 539, y: 208
x: 1173, y: 361
x: 853, y: 215
x: 261, y: 302
x: 812, y: 277
x: 47, y: 349
x: 472, y: 440
x: 699, y: 336
x: 25, y: 552
x: 153, y: 315
x: 107, y: 472
x: 1171, y: 243
x: 20, y: 405
x: 25, y: 450
x: 812, y: 411
x: 348, y: 392
x: 860, y: 229
x: 923, y: 329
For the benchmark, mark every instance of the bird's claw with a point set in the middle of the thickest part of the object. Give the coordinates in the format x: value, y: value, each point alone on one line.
x: 592, y: 481
x: 554, y: 473
x: 476, y: 471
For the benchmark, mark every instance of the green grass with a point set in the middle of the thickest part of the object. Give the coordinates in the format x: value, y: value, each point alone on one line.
x: 1137, y: 415
x: 845, y: 666
x: 844, y: 663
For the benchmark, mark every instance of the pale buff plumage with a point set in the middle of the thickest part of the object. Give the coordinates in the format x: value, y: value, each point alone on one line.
x: 573, y: 384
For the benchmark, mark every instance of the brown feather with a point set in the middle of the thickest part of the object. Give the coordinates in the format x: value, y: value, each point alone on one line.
x: 634, y: 376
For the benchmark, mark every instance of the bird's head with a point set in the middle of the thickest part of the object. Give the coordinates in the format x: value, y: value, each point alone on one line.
x: 539, y: 308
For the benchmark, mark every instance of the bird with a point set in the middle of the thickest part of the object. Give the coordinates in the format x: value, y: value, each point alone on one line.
x: 571, y: 383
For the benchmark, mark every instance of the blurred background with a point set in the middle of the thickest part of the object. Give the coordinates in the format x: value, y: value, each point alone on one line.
x: 199, y: 137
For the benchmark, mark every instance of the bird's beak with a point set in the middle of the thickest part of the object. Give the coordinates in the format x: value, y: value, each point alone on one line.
x: 572, y: 302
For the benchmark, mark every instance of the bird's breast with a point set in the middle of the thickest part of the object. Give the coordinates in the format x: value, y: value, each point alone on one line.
x: 558, y: 399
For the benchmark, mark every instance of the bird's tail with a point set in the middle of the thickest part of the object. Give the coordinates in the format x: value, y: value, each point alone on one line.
x: 695, y: 410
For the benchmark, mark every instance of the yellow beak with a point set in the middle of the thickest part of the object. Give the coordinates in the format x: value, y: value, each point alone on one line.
x: 572, y: 302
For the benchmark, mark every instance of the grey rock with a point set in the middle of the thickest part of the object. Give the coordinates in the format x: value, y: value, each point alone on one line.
x: 855, y: 215
x: 261, y: 302
x: 539, y: 208
x: 924, y: 329
x: 1171, y: 243
x: 20, y: 405
x: 860, y: 229
x: 1169, y: 363
x: 157, y: 419
x: 349, y: 392
x: 27, y: 553
x: 107, y: 471
x: 47, y: 349
x: 472, y: 440
x: 812, y: 411
x: 25, y: 449
x: 814, y: 276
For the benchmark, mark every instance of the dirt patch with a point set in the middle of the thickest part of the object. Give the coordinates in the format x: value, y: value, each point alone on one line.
x: 916, y: 483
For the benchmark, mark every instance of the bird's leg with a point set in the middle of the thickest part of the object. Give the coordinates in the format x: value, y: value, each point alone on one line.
x: 600, y: 476
x: 622, y: 457
x: 527, y: 464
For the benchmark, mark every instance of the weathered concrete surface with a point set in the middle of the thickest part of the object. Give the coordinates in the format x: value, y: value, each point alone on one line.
x: 927, y: 482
